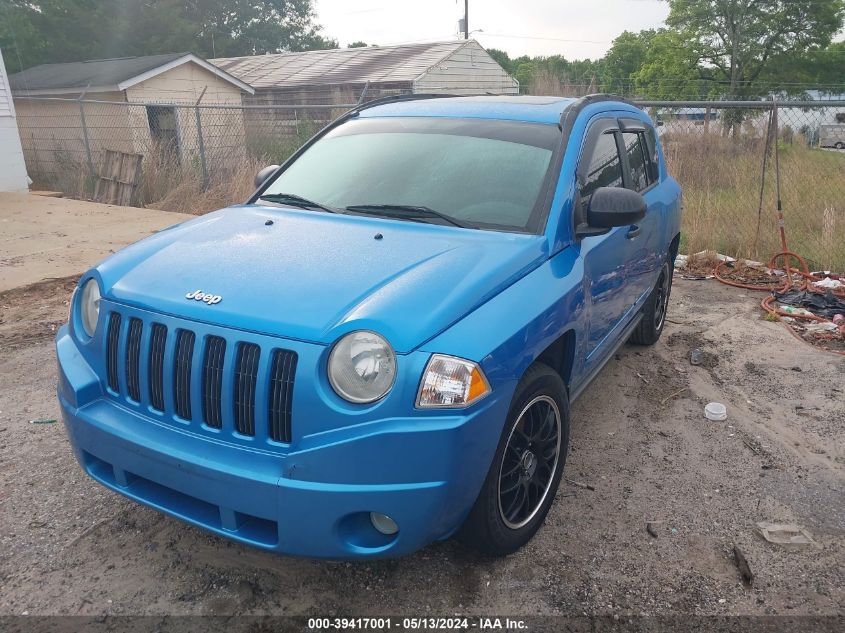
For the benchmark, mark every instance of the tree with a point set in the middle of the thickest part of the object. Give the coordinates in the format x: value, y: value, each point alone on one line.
x: 823, y: 69
x: 625, y: 58
x: 358, y: 45
x: 50, y: 31
x: 738, y: 39
x: 669, y: 70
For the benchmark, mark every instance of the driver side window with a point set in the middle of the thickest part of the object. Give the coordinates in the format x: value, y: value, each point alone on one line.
x: 605, y: 168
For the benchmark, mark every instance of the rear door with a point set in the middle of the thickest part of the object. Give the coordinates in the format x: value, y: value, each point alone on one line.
x: 642, y: 175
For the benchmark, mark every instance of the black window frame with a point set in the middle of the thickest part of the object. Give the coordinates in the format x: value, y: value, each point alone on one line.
x: 650, y: 148
x: 605, y: 125
x: 649, y: 182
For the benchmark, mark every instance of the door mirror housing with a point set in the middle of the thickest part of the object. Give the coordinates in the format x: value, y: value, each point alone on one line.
x: 614, y: 206
x: 262, y: 176
x: 611, y: 207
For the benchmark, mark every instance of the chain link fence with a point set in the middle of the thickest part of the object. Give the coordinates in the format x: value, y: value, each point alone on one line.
x: 734, y: 160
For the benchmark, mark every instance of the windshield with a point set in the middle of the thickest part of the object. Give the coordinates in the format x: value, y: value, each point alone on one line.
x: 481, y: 173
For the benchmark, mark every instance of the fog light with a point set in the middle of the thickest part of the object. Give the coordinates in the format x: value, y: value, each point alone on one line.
x: 384, y: 524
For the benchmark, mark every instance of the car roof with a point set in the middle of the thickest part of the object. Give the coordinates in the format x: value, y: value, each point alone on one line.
x: 506, y: 108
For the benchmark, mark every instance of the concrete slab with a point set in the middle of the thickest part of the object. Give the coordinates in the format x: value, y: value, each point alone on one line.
x: 44, y: 237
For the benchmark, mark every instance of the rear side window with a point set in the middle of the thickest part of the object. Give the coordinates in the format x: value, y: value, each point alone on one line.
x: 638, y: 160
x: 605, y: 168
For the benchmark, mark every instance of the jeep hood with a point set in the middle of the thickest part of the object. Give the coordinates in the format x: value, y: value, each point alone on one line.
x: 314, y: 276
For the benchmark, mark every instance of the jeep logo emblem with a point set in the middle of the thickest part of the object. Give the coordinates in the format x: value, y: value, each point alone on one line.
x: 199, y: 295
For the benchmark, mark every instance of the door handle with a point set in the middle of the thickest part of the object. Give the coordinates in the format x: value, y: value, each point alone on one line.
x: 633, y: 232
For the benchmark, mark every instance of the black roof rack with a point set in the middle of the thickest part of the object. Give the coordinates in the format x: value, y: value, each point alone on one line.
x: 568, y: 116
x: 394, y: 99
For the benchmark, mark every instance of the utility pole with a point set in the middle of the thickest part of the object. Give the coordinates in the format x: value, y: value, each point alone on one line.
x: 466, y: 19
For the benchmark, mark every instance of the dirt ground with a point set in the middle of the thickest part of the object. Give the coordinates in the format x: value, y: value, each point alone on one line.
x: 639, y: 438
x: 55, y: 237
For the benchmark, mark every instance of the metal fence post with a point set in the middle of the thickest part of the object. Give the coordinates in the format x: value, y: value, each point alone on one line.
x: 201, y: 141
x: 364, y: 93
x: 85, y: 140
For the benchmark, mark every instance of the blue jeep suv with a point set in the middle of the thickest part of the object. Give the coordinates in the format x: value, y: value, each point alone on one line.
x: 379, y: 349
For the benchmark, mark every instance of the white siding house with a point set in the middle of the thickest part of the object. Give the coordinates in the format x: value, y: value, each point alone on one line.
x: 12, y: 169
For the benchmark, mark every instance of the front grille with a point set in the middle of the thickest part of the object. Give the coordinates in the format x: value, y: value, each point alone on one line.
x: 112, y: 342
x: 156, y: 365
x: 133, y: 359
x: 229, y: 388
x: 212, y: 381
x: 281, y: 393
x: 246, y: 375
x: 182, y: 373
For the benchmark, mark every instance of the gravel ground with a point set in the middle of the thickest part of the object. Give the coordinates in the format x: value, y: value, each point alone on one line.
x: 639, y: 438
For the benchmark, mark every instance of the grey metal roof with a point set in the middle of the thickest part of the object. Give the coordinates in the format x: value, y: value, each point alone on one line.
x: 102, y: 75
x: 338, y: 66
x: 96, y: 73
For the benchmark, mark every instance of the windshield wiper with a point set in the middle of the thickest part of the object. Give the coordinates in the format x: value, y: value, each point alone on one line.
x: 294, y: 200
x: 408, y: 211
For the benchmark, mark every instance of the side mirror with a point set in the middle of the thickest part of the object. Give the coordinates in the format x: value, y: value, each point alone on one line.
x: 615, y: 206
x: 262, y: 176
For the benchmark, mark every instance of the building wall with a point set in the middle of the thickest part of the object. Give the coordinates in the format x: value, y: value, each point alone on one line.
x: 52, y: 135
x: 469, y: 70
x: 222, y: 129
x: 12, y: 168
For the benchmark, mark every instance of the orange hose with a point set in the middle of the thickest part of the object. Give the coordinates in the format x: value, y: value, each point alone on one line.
x: 805, y: 284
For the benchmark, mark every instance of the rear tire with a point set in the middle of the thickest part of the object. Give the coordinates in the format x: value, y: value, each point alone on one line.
x: 522, y: 481
x: 654, y: 310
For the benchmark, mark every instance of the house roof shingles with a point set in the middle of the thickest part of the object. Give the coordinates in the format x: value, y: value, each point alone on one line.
x: 98, y: 73
x: 380, y: 64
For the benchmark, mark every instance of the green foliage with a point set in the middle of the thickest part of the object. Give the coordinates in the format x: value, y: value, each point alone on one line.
x: 710, y: 49
x: 669, y: 70
x: 736, y: 41
x: 51, y: 31
x: 626, y: 56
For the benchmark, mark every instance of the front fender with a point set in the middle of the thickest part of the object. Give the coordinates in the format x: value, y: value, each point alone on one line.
x: 509, y: 332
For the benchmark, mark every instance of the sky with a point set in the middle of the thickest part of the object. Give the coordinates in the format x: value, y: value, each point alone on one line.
x: 576, y: 29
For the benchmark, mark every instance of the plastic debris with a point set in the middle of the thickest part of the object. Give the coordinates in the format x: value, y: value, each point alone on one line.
x: 43, y: 421
x: 784, y: 533
x: 797, y: 311
x: 696, y: 357
x: 716, y: 412
x: 681, y: 261
x: 824, y: 305
x: 713, y: 255
x: 829, y: 283
x: 821, y: 326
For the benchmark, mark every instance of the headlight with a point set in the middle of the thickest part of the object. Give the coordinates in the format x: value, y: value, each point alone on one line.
x: 362, y: 367
x: 451, y: 382
x: 89, y: 306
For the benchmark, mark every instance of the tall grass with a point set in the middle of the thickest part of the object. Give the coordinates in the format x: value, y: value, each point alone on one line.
x: 721, y: 180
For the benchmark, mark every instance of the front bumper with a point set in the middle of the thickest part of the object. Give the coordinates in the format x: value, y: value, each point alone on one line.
x: 313, y: 500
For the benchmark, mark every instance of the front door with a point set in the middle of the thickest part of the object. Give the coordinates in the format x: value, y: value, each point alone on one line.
x: 608, y: 258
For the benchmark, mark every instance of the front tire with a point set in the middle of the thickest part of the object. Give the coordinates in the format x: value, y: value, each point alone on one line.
x: 522, y: 481
x: 654, y: 310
